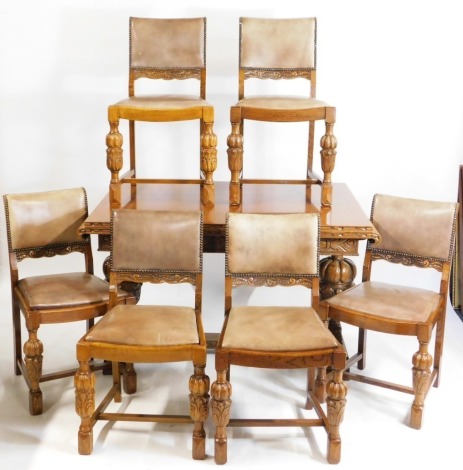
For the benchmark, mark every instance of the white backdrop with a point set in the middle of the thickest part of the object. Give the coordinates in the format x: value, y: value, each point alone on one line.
x: 392, y: 68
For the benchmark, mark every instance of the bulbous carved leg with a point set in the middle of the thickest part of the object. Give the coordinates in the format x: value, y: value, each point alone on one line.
x: 199, y: 410
x: 328, y: 157
x: 114, y: 162
x: 336, y: 402
x: 422, y: 362
x: 33, y: 359
x: 336, y: 275
x: 221, y: 405
x: 84, y: 382
x: 235, y: 163
x: 208, y: 162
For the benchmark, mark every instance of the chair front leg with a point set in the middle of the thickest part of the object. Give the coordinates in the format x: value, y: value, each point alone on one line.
x: 208, y: 161
x: 422, y: 362
x: 114, y: 162
x: 199, y: 409
x: 328, y: 156
x: 336, y: 402
x: 221, y: 405
x: 33, y: 360
x: 235, y: 158
x: 84, y: 382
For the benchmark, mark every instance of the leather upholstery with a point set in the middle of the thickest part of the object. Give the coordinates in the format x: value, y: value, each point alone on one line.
x: 147, y: 325
x: 268, y: 43
x: 280, y: 102
x: 383, y: 300
x: 166, y: 43
x: 183, y: 231
x: 45, y: 218
x: 265, y: 243
x: 160, y: 101
x: 415, y: 227
x: 64, y: 290
x: 293, y: 329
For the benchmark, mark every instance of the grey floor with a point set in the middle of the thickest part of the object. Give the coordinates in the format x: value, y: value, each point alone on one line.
x: 374, y: 431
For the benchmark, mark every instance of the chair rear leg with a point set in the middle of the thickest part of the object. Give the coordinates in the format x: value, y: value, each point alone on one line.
x: 310, y: 388
x: 17, y: 340
x: 361, y: 348
x: 129, y: 378
x: 320, y: 385
x: 438, y: 348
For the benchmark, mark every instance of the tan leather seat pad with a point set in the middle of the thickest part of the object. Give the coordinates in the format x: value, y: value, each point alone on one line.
x: 146, y: 325
x: 388, y: 301
x: 162, y: 102
x: 61, y: 290
x: 276, y: 329
x: 281, y: 102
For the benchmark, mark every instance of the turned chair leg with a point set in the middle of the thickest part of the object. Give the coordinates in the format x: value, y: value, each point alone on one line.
x: 33, y: 360
x: 84, y: 382
x: 422, y: 362
x: 199, y: 409
x: 220, y: 406
x: 336, y: 402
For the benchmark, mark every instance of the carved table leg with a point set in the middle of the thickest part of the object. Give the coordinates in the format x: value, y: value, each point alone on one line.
x: 336, y: 275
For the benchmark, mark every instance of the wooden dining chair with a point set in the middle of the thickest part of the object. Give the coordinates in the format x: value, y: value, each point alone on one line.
x: 148, y: 247
x: 279, y: 49
x: 268, y: 250
x: 414, y: 234
x: 45, y: 225
x: 163, y: 49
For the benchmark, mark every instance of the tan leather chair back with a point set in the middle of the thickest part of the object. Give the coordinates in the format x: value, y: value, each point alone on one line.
x: 419, y: 228
x: 272, y: 43
x: 49, y: 218
x: 182, y: 231
x: 282, y: 244
x: 157, y: 43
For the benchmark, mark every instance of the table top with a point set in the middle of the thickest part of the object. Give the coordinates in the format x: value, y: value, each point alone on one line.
x: 344, y: 220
